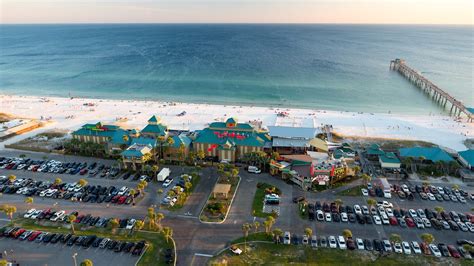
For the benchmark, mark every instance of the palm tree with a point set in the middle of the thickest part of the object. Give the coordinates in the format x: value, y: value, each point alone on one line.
x: 71, y: 218
x: 133, y: 192
x: 154, y: 169
x: 9, y: 210
x: 347, y: 233
x: 256, y: 225
x: 308, y: 232
x: 58, y: 181
x: 371, y: 202
x: 188, y: 186
x: 139, y: 225
x: 87, y: 262
x: 12, y: 178
x: 268, y: 223
x: 82, y: 182
x: 439, y: 209
x: 245, y: 229
x: 168, y: 232
x: 455, y: 187
x: 151, y: 215
x: 338, y: 202
x: 277, y: 233
x: 234, y: 172
x: 159, y: 216
x: 366, y: 178
x: 29, y: 200
x: 427, y: 238
x: 114, y: 223
x: 201, y: 155
x: 395, y: 238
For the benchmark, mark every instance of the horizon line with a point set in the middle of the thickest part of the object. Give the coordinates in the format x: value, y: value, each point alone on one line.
x: 232, y: 23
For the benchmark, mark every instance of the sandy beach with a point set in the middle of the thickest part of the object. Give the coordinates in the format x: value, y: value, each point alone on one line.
x: 66, y: 113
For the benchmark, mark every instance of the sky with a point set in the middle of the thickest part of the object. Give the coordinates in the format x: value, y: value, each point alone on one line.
x: 238, y: 11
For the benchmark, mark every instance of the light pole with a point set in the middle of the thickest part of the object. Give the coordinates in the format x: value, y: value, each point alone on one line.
x: 74, y: 258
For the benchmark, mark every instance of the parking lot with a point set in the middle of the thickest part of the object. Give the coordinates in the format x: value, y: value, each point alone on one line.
x: 34, y: 254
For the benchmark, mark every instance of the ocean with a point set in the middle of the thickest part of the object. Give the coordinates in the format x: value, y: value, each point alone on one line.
x: 335, y: 67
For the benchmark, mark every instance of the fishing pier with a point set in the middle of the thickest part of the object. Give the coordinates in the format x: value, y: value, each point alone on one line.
x: 436, y: 93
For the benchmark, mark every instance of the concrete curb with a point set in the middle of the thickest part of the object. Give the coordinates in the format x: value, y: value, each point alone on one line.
x: 228, y: 210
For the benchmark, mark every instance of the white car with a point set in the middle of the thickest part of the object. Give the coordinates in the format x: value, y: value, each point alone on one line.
x: 470, y: 226
x: 357, y: 209
x: 29, y: 213
x: 385, y: 204
x: 344, y: 217
x: 421, y: 213
x: 341, y: 242
x: 167, y: 182
x: 385, y: 219
x: 35, y: 214
x: 328, y: 217
x: 397, y: 247
x: 57, y: 216
x: 435, y: 251
x: 406, y: 248
x: 365, y: 210
x: 365, y: 192
x: 426, y: 222
x: 431, y: 196
x: 405, y: 188
x: 377, y: 220
x: 440, y: 190
x: 287, y: 238
x: 412, y: 213
x: 381, y: 210
x: 387, y: 247
x: 122, y: 191
x: 389, y: 212
x: 360, y: 244
x: 51, y: 192
x: 130, y: 224
x: 320, y: 215
x: 416, y: 247
x: 332, y: 242
x: 44, y: 192
x: 462, y: 226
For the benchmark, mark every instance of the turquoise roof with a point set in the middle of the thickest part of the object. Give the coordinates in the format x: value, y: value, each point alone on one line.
x: 375, y: 151
x: 153, y: 119
x: 144, y: 141
x: 468, y: 155
x: 434, y: 154
x: 131, y: 153
x: 97, y: 130
x: 158, y: 129
x: 389, y: 157
x: 118, y: 137
x: 181, y: 139
x: 241, y: 138
x: 238, y: 126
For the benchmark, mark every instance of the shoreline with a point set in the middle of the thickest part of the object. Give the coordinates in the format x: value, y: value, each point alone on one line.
x: 72, y: 113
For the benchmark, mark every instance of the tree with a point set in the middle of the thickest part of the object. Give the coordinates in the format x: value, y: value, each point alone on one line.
x: 70, y: 219
x: 168, y: 232
x: 155, y: 169
x: 159, y: 216
x: 82, y: 182
x: 395, y: 238
x: 201, y: 155
x: 138, y: 226
x: 338, y: 202
x: 234, y: 172
x: 268, y: 223
x: 347, y: 233
x: 133, y: 192
x: 29, y: 200
x: 468, y: 248
x: 427, y: 238
x: 58, y: 181
x: 371, y: 202
x: 188, y: 186
x: 425, y: 183
x: 114, y: 223
x: 12, y: 178
x: 3, y: 262
x: 256, y: 225
x: 366, y: 178
x: 439, y: 209
x: 151, y: 216
x: 87, y: 262
x: 9, y: 210
x: 308, y: 231
x: 278, y: 233
x: 455, y: 187
x: 245, y: 229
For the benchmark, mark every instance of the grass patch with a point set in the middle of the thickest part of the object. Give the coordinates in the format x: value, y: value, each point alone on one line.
x: 216, y: 208
x: 273, y: 254
x: 258, y: 199
x: 260, y: 236
x: 154, y: 254
x: 354, y: 191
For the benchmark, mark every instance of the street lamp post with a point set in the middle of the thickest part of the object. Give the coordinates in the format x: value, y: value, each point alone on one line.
x: 74, y: 258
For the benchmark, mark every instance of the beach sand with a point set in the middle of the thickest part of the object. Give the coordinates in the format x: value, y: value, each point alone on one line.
x: 70, y: 114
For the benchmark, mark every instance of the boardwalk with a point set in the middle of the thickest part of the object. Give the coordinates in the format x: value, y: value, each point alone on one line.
x: 439, y: 96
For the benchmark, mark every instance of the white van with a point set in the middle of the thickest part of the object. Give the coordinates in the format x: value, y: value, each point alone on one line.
x: 254, y: 169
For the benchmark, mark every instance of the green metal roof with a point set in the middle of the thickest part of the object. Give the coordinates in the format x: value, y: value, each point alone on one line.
x: 144, y: 141
x: 434, y: 154
x: 468, y: 155
x: 97, y: 130
x: 118, y: 137
x: 241, y: 138
x: 389, y: 157
x: 153, y: 119
x: 158, y: 129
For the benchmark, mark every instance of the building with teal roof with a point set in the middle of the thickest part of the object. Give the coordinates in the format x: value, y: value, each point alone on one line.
x: 374, y: 152
x: 137, y: 154
x: 467, y: 158
x: 155, y: 129
x: 230, y: 140
x: 431, y: 154
x: 179, y: 149
x: 389, y: 161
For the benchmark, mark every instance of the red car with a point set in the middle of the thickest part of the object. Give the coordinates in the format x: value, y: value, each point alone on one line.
x: 34, y: 235
x: 121, y: 200
x: 79, y: 218
x: 410, y: 222
x: 454, y: 252
x: 393, y: 221
x: 18, y: 233
x: 115, y: 199
x: 83, y: 171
